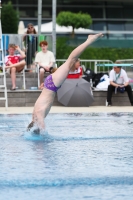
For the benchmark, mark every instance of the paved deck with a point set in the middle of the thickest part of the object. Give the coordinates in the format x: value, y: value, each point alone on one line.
x: 58, y: 109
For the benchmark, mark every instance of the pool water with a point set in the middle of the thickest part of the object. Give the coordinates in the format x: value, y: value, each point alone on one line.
x: 78, y: 157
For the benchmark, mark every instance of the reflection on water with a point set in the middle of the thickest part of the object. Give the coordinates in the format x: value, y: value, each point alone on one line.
x: 78, y: 156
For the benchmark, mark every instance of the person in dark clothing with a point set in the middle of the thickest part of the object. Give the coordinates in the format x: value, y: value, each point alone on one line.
x: 30, y: 43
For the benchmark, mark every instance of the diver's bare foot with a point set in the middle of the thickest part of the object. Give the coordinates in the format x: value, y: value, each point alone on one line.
x: 92, y: 38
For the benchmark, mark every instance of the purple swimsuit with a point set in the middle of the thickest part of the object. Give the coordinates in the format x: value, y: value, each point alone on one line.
x: 48, y: 83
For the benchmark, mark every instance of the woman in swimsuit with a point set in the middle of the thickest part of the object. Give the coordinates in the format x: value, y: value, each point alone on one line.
x: 53, y: 82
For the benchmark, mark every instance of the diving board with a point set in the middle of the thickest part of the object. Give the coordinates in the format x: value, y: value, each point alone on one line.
x: 114, y: 64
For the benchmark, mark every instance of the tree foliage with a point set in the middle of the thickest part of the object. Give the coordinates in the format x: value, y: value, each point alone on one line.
x: 76, y: 20
x: 9, y: 18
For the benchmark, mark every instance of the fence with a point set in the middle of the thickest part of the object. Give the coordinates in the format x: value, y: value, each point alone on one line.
x: 91, y: 64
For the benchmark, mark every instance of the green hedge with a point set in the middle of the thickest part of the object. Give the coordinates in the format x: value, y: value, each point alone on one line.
x: 63, y: 50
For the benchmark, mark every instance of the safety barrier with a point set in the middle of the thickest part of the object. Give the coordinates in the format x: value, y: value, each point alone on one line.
x: 91, y: 64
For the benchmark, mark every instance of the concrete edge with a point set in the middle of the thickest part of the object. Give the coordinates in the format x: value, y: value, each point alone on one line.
x: 58, y: 109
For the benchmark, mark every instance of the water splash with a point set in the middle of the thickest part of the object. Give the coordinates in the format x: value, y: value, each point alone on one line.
x: 35, y: 134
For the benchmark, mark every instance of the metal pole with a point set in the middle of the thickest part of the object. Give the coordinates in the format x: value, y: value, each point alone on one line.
x: 54, y: 26
x: 0, y: 9
x: 39, y: 16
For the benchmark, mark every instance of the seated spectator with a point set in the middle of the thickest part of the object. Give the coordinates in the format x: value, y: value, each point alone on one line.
x: 76, y: 71
x: 14, y: 62
x: 45, y: 59
x: 118, y: 82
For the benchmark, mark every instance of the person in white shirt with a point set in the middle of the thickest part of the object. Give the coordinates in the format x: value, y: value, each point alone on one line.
x: 45, y: 59
x: 118, y: 82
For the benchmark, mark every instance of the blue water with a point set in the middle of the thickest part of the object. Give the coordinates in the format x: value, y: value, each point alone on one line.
x: 78, y: 157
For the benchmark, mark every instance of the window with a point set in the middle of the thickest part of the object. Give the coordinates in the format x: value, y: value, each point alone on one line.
x: 23, y: 14
x: 113, y: 3
x: 45, y: 14
x: 99, y: 26
x: 22, y: 2
x: 129, y: 26
x: 95, y: 12
x: 114, y: 13
x: 26, y: 12
x: 128, y: 12
x: 116, y: 26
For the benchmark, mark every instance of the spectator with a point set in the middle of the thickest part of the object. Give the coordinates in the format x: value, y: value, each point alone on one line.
x: 45, y: 59
x: 30, y: 43
x: 14, y: 63
x: 76, y: 71
x: 118, y: 82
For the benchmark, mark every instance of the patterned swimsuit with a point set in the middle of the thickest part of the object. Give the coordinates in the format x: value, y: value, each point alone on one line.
x: 48, y: 83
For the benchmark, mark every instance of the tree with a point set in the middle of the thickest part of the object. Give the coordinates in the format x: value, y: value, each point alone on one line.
x: 9, y: 18
x: 76, y: 20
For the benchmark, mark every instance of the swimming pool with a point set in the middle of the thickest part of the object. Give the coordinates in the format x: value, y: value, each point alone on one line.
x: 80, y: 156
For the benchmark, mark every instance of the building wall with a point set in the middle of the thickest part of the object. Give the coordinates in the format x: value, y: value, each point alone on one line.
x: 109, y: 15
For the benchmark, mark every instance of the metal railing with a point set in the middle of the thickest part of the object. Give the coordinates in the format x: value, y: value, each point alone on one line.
x: 90, y: 64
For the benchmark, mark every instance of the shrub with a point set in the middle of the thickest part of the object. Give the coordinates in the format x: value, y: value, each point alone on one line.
x: 63, y: 51
x: 9, y: 18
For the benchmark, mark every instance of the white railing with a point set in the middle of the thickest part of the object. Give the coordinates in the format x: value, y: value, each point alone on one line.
x: 91, y: 64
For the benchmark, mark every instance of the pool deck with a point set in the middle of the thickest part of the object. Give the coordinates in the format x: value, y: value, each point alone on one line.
x: 60, y: 109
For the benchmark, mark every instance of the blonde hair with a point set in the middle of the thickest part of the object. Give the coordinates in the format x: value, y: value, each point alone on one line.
x: 12, y: 46
x: 73, y: 67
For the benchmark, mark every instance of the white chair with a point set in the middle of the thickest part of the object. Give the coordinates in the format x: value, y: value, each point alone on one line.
x: 22, y: 75
x: 83, y: 67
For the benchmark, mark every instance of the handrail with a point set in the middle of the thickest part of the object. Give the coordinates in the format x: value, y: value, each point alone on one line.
x: 91, y: 64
